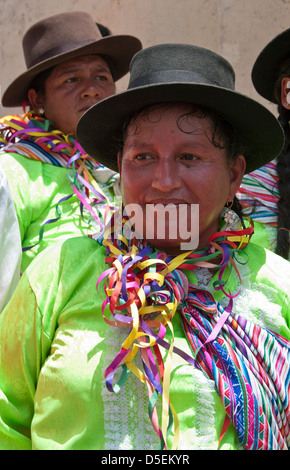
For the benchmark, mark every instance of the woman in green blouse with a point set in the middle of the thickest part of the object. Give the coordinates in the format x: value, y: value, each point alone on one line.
x: 126, y: 342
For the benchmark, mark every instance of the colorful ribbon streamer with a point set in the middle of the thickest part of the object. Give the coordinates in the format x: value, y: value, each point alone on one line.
x: 34, y: 138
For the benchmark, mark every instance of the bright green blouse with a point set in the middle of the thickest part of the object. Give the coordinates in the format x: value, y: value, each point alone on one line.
x: 37, y: 189
x: 265, y: 235
x: 55, y: 347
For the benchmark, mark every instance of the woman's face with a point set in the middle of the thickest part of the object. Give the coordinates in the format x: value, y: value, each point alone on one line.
x: 165, y: 163
x: 72, y: 88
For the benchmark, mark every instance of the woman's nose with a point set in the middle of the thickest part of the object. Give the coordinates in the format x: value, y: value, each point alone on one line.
x: 166, y: 177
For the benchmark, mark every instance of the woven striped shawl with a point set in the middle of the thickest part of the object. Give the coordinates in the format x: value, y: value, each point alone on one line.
x: 259, y: 194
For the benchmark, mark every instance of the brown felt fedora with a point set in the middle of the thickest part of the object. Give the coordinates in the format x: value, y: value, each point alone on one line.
x: 58, y: 38
x: 182, y: 72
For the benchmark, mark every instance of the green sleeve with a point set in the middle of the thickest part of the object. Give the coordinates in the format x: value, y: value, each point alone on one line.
x: 23, y: 348
x: 19, y: 181
x: 45, y: 205
x: 43, y: 299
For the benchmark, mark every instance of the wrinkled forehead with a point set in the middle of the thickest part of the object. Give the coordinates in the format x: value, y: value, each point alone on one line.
x: 83, y: 61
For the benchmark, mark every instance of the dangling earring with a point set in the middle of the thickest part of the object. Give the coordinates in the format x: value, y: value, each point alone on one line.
x: 231, y: 219
x: 41, y: 111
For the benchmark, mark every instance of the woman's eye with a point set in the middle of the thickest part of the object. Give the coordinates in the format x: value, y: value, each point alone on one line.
x: 101, y: 78
x: 71, y: 79
x: 142, y: 157
x: 189, y: 157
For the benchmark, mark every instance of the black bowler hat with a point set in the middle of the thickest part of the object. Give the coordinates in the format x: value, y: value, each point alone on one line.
x: 266, y: 67
x: 182, y: 73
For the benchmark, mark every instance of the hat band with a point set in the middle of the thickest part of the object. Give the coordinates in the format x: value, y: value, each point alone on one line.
x: 55, y: 51
x: 170, y: 76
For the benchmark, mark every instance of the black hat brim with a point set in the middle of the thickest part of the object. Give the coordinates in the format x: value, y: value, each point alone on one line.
x: 266, y: 67
x: 257, y: 128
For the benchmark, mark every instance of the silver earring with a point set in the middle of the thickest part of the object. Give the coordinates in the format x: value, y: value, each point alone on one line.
x: 41, y: 111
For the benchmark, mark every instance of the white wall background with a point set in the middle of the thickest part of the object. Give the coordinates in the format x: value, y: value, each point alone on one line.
x: 237, y: 29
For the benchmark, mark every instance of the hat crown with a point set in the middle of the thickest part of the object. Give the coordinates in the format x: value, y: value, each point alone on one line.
x: 170, y: 63
x: 58, y: 34
x: 181, y: 73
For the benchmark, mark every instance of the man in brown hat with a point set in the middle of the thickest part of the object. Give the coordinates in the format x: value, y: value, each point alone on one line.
x: 57, y: 188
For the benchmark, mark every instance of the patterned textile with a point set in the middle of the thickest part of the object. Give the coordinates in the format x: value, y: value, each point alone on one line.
x: 259, y: 194
x: 33, y: 137
x: 249, y: 365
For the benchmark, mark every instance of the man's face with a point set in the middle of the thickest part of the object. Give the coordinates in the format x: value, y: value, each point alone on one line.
x: 73, y: 87
x: 165, y: 163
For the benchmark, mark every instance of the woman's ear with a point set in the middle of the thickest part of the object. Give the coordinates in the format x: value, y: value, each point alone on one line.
x: 119, y: 162
x: 237, y: 171
x: 36, y: 100
x: 285, y: 92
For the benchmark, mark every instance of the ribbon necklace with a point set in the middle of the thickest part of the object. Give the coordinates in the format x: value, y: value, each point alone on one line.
x: 33, y: 137
x: 249, y: 365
